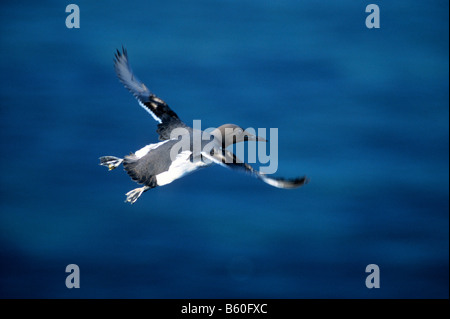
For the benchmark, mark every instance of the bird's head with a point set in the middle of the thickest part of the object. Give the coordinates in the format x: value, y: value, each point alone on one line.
x: 229, y: 134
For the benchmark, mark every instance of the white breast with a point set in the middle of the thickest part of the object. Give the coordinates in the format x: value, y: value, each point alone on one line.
x: 144, y: 151
x: 179, y: 167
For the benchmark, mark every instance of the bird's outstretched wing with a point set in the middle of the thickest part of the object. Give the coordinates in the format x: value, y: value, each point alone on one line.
x: 228, y: 159
x: 157, y: 108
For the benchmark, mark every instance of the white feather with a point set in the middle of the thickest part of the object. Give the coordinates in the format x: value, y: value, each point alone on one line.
x: 272, y: 182
x: 213, y: 159
x: 148, y: 110
x: 179, y: 167
x: 144, y: 151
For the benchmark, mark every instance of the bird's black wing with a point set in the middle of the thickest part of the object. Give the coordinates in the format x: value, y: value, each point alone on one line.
x: 157, y: 108
x: 228, y: 159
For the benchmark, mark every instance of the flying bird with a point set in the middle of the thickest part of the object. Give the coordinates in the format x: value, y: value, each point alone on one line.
x: 160, y: 163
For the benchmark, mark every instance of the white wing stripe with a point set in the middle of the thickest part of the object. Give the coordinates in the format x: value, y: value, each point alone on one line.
x: 213, y: 159
x: 148, y: 110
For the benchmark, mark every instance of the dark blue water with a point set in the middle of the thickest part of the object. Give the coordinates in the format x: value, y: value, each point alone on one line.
x: 364, y: 113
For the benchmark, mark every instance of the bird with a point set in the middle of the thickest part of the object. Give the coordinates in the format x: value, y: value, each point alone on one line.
x: 176, y: 155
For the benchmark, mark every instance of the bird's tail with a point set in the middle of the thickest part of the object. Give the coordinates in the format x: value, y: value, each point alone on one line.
x: 110, y: 161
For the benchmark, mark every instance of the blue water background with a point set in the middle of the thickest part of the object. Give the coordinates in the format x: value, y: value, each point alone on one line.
x: 363, y: 112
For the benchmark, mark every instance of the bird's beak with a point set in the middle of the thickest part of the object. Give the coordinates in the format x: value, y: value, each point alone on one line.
x: 251, y: 137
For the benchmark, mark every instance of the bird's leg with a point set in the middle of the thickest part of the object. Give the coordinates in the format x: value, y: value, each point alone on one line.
x: 110, y: 161
x: 133, y: 195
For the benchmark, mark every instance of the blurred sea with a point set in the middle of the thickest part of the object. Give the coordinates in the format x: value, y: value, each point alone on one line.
x: 362, y: 112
